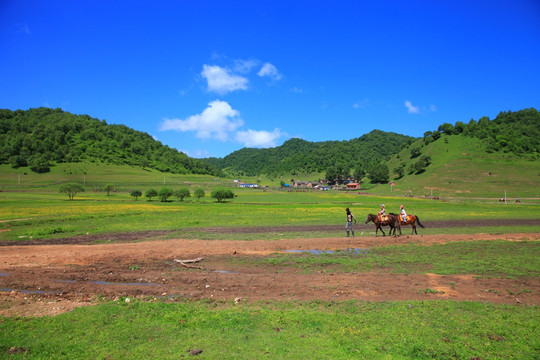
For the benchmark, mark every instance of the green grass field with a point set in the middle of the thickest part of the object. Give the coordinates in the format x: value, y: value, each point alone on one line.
x: 46, y: 213
x: 278, y: 330
x: 172, y: 329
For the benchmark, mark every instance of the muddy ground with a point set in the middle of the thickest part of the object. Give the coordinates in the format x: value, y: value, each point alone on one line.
x: 38, y: 280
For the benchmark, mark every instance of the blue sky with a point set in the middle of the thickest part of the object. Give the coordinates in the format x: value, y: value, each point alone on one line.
x: 212, y: 77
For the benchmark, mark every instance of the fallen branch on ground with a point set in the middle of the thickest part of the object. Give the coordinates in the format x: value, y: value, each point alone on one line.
x: 185, y: 263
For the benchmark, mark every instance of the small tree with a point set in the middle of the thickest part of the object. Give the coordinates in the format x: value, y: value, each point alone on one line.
x: 421, y: 165
x: 222, y: 194
x: 71, y: 189
x: 136, y: 194
x: 150, y: 193
x: 108, y: 189
x: 415, y: 152
x: 447, y: 128
x: 164, y: 194
x: 182, y: 193
x: 199, y: 193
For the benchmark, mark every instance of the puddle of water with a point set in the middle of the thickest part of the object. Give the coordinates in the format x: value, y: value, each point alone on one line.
x: 128, y: 284
x: 216, y: 271
x: 107, y: 283
x: 224, y: 271
x: 4, y: 274
x: 41, y: 292
x: 355, y: 251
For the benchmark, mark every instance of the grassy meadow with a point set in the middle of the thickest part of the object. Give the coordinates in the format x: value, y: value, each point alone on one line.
x: 177, y: 328
x: 278, y: 330
x: 461, y: 168
x: 34, y: 211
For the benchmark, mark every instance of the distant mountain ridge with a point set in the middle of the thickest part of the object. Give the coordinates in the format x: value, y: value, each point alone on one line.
x: 301, y: 156
x: 40, y: 137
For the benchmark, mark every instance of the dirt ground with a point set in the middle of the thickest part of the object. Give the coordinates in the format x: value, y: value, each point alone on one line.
x: 37, y: 280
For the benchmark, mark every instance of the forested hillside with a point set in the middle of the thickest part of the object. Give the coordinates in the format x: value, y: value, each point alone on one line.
x: 517, y: 132
x: 40, y: 137
x: 301, y: 156
x: 481, y: 158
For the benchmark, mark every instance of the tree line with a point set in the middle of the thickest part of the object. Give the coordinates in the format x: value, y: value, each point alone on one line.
x: 296, y: 156
x: 41, y: 137
x: 221, y: 194
x: 515, y: 132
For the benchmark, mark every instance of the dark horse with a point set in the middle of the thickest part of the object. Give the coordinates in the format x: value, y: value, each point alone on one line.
x: 411, y: 220
x: 392, y: 219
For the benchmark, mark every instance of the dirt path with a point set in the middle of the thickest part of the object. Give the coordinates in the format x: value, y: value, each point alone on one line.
x: 40, y: 280
x: 361, y: 226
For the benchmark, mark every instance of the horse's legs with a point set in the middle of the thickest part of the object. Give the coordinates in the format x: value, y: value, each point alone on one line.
x: 413, y: 230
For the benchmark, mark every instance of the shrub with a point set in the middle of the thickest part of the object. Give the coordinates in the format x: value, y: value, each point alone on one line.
x: 222, y: 194
x: 150, y: 193
x: 71, y: 189
x: 182, y: 193
x: 164, y: 194
x: 136, y: 194
x: 199, y: 193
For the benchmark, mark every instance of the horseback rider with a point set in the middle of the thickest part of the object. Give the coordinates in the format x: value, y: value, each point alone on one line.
x: 403, y: 214
x: 350, y: 219
x: 382, y: 213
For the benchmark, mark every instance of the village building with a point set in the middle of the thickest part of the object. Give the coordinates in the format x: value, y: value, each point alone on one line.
x: 246, y: 185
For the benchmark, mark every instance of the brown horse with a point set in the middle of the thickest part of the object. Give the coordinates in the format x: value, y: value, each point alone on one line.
x: 392, y: 219
x: 411, y: 220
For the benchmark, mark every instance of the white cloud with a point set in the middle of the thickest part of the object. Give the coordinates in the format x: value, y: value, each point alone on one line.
x: 296, y: 90
x: 432, y: 108
x: 271, y: 71
x: 199, y: 154
x: 221, y: 81
x: 217, y: 121
x: 245, y: 66
x: 261, y: 139
x: 411, y: 109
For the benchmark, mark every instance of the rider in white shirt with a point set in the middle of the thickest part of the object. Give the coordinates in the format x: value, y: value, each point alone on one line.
x: 403, y: 214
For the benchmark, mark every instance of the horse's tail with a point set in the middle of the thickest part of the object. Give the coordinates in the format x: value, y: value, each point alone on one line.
x: 419, y: 223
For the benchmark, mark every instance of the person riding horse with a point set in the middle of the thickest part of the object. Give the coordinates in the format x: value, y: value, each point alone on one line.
x: 403, y: 214
x: 404, y: 219
x: 390, y: 220
x: 382, y: 213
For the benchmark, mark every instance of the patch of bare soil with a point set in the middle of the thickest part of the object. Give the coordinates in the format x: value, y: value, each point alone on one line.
x: 40, y: 280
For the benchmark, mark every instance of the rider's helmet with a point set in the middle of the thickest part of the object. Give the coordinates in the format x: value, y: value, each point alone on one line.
x: 382, y: 205
x: 401, y: 207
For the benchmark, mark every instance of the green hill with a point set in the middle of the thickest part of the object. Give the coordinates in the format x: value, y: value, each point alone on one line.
x: 480, y: 159
x: 300, y: 156
x: 39, y: 138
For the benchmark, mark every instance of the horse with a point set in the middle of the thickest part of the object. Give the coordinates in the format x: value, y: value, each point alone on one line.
x: 392, y: 219
x: 411, y: 220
